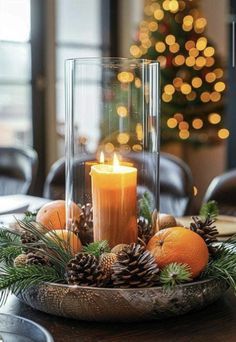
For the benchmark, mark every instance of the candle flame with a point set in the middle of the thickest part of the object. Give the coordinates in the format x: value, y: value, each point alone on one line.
x: 116, y: 162
x: 102, y: 158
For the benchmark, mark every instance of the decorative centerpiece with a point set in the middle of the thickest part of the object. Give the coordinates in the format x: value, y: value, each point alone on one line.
x: 106, y: 253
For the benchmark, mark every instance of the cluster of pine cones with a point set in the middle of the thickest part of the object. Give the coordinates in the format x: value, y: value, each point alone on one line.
x: 125, y: 266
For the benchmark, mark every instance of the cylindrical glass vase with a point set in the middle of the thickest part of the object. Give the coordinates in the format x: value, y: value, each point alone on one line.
x: 112, y: 146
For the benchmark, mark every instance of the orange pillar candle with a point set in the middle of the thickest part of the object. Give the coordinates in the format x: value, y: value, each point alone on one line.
x: 114, y: 203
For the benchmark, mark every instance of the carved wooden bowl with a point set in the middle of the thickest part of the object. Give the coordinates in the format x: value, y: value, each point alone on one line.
x: 104, y: 304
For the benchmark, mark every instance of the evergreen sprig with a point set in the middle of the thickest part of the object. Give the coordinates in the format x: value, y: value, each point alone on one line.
x: 146, y: 206
x: 8, y: 254
x: 174, y: 274
x: 17, y: 279
x: 30, y: 216
x: 223, y: 266
x: 97, y: 248
x: 209, y: 210
x: 8, y: 237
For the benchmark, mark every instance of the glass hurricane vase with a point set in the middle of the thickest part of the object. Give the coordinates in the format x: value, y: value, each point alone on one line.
x: 112, y: 144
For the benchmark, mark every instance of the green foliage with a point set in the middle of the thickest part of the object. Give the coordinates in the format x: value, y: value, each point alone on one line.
x: 8, y: 254
x: 210, y: 210
x: 145, y: 206
x: 223, y: 266
x: 8, y: 237
x: 30, y: 216
x: 97, y: 248
x: 16, y: 279
x: 174, y: 274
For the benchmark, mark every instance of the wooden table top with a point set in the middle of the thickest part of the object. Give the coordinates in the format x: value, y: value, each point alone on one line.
x: 216, y: 323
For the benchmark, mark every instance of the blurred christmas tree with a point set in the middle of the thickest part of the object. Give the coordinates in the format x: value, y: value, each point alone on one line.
x: 192, y: 78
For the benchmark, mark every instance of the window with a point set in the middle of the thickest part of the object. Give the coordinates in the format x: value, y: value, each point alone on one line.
x: 78, y: 34
x: 15, y: 73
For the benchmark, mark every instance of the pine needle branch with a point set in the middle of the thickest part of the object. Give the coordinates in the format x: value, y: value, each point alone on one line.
x: 8, y: 254
x: 97, y: 248
x: 17, y: 279
x: 209, y: 210
x: 146, y: 206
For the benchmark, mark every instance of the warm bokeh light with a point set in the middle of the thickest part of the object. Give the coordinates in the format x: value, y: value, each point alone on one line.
x: 172, y: 122
x: 159, y: 14
x: 169, y: 89
x: 184, y: 134
x: 194, y: 52
x: 137, y: 82
x: 179, y: 117
x: 197, y: 123
x: 170, y: 39
x: 186, y: 88
x: 166, y: 97
x: 214, y: 118
x: 153, y: 26
x: 160, y: 47
x: 122, y: 111
x: 200, y: 61
x: 135, y: 51
x: 165, y: 5
x: 137, y: 148
x: 162, y: 61
x: 196, y: 82
x: 218, y: 72
x: 209, y: 51
x: 191, y: 96
x: 190, y: 61
x: 177, y: 82
x: 215, y: 96
x: 188, y: 20
x: 174, y: 48
x: 189, y: 45
x: 179, y: 60
x: 173, y: 6
x: 109, y: 147
x: 205, y: 96
x: 219, y: 86
x: 210, y: 61
x: 200, y: 23
x: 183, y: 125
x: 223, y: 133
x: 201, y: 43
x: 125, y: 77
x: 139, y: 131
x: 210, y: 77
x: 123, y: 138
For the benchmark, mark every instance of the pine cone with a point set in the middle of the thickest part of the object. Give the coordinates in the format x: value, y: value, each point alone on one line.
x: 27, y: 237
x: 84, y: 270
x: 84, y: 227
x: 37, y: 258
x: 106, y: 261
x: 205, y: 229
x: 145, y: 230
x: 135, y: 267
x: 20, y: 260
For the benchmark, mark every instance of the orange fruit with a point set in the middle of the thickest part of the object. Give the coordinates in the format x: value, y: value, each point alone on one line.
x: 179, y: 244
x: 53, y: 214
x: 68, y: 236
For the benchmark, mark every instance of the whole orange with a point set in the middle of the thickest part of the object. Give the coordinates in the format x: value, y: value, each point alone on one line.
x: 71, y: 240
x: 179, y: 244
x: 52, y: 215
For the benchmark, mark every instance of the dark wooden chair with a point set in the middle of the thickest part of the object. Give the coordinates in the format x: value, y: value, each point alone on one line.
x: 222, y: 189
x: 176, y: 185
x: 18, y: 168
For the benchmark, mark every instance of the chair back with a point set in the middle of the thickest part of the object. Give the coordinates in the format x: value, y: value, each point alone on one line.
x: 222, y: 189
x: 18, y: 168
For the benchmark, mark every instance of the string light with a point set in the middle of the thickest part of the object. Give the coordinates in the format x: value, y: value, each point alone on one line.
x: 179, y: 117
x: 183, y: 125
x: 109, y: 147
x: 184, y: 134
x: 219, y: 86
x: 139, y: 131
x: 210, y: 77
x: 218, y: 72
x: 177, y: 82
x: 186, y: 88
x: 170, y: 39
x: 137, y: 82
x: 153, y: 26
x: 122, y: 111
x: 209, y: 51
x: 172, y: 123
x: 135, y: 51
x: 223, y: 133
x: 190, y: 61
x: 196, y: 82
x: 188, y: 20
x: 169, y: 89
x: 215, y: 96
x: 200, y: 61
x: 193, y: 52
x: 166, y: 97
x: 173, y: 6
x: 189, y: 45
x: 174, y: 48
x: 160, y: 47
x: 210, y: 61
x: 125, y: 77
x: 123, y: 138
x: 201, y: 43
x: 205, y: 96
x: 214, y: 118
x: 191, y: 96
x: 197, y: 123
x: 179, y: 60
x: 159, y: 14
x: 137, y: 148
x: 162, y: 61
